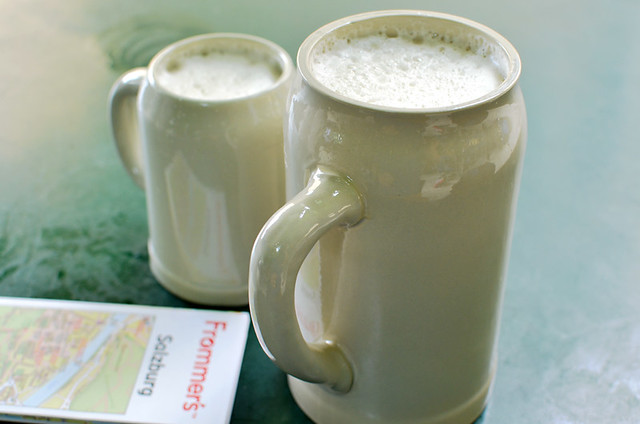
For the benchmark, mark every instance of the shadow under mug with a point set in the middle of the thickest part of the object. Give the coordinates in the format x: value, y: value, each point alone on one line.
x: 212, y: 169
x: 378, y: 285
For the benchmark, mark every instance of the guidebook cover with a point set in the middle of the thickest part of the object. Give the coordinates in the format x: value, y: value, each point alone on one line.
x: 76, y: 361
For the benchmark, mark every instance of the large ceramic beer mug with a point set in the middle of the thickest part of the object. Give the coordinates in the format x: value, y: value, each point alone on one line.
x: 378, y: 285
x: 200, y: 129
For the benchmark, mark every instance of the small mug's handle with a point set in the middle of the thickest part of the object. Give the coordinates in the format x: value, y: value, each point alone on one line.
x: 124, y: 121
x: 328, y: 201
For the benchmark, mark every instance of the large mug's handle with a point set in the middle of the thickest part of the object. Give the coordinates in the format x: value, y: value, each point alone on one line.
x: 124, y: 121
x: 328, y: 201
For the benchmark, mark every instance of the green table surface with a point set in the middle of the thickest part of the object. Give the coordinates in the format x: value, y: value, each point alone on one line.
x: 73, y: 225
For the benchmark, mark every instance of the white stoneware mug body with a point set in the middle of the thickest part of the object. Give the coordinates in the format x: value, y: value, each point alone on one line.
x: 212, y: 169
x: 378, y: 285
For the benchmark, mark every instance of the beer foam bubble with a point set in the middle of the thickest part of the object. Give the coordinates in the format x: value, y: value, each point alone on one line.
x: 401, y: 69
x: 213, y: 75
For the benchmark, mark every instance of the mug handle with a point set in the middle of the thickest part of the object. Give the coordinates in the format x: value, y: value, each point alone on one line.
x: 329, y: 200
x: 124, y: 122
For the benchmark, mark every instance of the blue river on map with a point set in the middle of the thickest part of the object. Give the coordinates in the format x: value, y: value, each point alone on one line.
x: 72, y: 368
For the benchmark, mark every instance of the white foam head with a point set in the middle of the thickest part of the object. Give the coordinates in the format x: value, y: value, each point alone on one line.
x: 404, y: 69
x: 213, y: 74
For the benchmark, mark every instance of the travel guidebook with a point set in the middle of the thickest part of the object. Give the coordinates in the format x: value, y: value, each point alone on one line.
x: 70, y: 361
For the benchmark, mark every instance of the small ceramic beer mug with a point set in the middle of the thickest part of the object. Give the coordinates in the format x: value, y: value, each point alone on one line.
x: 200, y: 130
x: 378, y: 285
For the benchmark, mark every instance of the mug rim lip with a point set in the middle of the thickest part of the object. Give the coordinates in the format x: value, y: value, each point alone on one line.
x: 283, y: 57
x: 510, y: 81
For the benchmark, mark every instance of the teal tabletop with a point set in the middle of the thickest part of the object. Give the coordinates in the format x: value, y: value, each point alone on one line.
x: 73, y: 224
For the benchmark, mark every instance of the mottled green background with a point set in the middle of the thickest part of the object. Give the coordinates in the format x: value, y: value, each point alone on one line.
x: 73, y: 225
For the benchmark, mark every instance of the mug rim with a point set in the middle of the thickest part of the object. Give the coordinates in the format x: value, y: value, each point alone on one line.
x: 278, y: 52
x: 510, y: 80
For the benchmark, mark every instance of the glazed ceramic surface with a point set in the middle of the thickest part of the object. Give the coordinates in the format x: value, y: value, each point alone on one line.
x: 404, y: 217
x: 212, y: 170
